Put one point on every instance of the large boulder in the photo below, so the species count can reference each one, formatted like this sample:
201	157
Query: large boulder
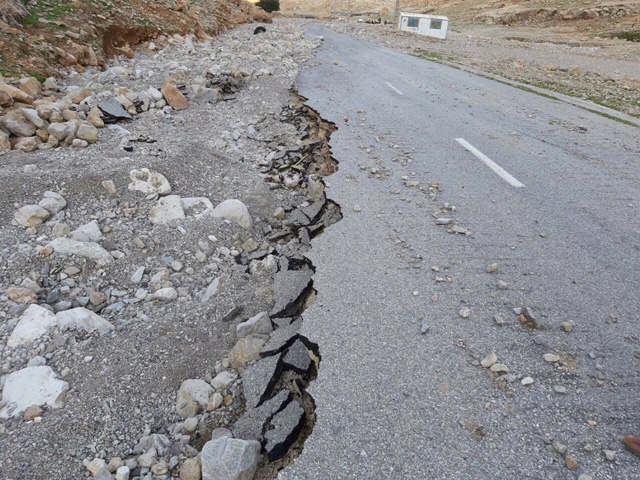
32	386
31	215
15	122
230	459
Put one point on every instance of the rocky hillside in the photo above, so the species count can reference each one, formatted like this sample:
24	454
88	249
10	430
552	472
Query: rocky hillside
621	17
42	37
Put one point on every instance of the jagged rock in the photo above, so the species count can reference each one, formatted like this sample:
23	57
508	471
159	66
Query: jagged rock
89	232
17	94
212	289
260	324
32	116
259	378
33	324
159	442
286	428
30	86
93	251
148	459
168	208
230	459
174	97
246	350
234	211
223	380
252	425
15	122
281	338
31	386
114	109
289	285
192	391
297	358
83	320
53	202
149	182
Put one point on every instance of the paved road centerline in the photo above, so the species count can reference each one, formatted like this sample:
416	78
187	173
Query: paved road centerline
394	88
506	176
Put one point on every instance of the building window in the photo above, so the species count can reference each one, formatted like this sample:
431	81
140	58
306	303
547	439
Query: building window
412	22
436	25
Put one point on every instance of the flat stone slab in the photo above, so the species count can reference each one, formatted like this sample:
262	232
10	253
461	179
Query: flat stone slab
83	320
289	286
297	358
287	425
114	109
281	338
91	250
259	378
251	425
230	459
32	386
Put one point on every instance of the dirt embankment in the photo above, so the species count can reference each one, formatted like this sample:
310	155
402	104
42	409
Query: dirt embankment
44	37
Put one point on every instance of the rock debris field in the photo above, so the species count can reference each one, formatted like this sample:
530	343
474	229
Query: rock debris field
153	226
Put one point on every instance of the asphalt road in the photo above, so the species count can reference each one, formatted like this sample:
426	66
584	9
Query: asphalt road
393	403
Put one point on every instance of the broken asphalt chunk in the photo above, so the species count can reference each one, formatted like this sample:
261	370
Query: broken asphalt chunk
259	378
297	358
290	286
281	338
286	427
252	425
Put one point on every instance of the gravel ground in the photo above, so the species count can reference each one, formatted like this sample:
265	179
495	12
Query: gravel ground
123	385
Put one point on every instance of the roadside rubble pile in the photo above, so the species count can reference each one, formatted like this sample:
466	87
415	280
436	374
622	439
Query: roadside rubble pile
157	313
36	116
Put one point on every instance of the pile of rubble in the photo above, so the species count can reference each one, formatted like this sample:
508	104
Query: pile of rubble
134	274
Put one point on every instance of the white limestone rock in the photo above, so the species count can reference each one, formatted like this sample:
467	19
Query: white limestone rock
168	208
53	202
148	182
234	211
32	386
83	320
93	251
33	324
197	206
31	215
89	232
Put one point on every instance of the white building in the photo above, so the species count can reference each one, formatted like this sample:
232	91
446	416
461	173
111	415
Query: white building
431	25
